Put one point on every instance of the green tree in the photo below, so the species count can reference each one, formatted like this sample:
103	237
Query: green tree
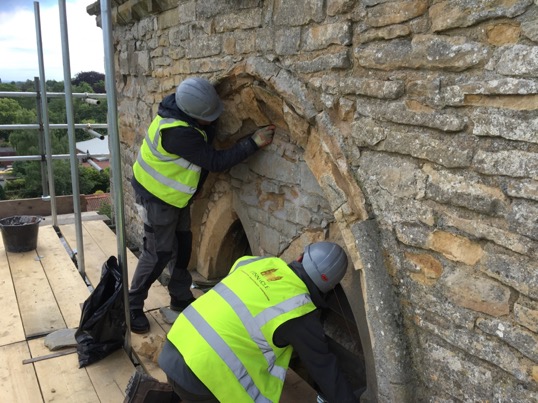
23	110
11	112
94	79
28	181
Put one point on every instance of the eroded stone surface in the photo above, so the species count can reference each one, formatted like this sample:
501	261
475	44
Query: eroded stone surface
420	116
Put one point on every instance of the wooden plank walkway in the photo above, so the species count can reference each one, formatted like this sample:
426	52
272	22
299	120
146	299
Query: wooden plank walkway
42	291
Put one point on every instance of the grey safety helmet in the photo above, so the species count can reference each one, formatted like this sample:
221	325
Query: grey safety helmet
198	98
325	263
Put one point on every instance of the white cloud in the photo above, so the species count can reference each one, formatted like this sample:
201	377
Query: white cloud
18	43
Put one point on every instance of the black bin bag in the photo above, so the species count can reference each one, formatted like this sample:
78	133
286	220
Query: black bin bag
102	325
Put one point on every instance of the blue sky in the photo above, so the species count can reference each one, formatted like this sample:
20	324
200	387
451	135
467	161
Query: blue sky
18	43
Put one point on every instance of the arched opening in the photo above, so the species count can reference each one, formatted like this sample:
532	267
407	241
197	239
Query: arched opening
233	236
300	190
234	245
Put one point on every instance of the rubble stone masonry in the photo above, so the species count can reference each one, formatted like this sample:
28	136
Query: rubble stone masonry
406	129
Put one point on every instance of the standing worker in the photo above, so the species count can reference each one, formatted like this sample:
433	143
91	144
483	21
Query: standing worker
234	343
174	160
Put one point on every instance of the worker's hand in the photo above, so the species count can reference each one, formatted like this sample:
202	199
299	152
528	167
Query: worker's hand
264	136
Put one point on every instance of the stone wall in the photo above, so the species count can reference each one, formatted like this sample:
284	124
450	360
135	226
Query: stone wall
406	130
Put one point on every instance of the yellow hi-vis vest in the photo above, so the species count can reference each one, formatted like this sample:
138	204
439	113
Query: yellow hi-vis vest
226	335
167	176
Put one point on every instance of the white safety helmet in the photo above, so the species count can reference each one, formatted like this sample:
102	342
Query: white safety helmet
325	263
198	98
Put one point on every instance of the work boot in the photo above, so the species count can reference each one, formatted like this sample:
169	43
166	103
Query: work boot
143	388
139	322
179	305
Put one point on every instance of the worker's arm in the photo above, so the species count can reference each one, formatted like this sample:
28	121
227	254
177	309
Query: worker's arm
305	334
189	144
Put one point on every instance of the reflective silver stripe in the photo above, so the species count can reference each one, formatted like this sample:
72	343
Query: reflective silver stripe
253	328
163	179
153	147
162	122
247	261
225	352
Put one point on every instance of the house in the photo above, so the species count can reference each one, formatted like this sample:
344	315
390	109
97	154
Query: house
97	150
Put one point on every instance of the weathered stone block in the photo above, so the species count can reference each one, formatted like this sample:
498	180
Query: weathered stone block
425	269
514	163
481	346
515	60
514	270
238	20
451	53
168	19
447	369
503	34
211	8
489	229
520	126
390	32
478	293
447	188
526	317
204	46
334	84
265	38
530	30
245	42
398	112
459	94
523	218
455	247
187	11
456	369
177	35
447	151
367	132
326	62
270	239
298	12
265	161
287	40
322	36
335	7
521	339
463	13
526	189
395	12
295	93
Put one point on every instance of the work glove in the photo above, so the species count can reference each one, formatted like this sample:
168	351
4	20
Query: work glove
264	136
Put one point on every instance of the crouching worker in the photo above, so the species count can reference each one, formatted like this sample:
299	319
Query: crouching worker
234	343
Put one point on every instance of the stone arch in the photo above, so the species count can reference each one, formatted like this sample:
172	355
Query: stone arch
256	93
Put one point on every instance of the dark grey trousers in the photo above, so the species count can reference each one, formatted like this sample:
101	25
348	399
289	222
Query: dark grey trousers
167	235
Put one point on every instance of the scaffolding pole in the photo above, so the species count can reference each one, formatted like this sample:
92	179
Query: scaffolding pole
71	135
85	95
33	126
45	117
54	157
41	140
113	136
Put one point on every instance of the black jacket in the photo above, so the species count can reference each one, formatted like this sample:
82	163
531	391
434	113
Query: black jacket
190	145
307	337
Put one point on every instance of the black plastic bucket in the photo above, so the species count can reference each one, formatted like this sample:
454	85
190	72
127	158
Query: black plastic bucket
19	233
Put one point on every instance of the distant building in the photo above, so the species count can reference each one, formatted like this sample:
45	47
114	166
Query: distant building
95	147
